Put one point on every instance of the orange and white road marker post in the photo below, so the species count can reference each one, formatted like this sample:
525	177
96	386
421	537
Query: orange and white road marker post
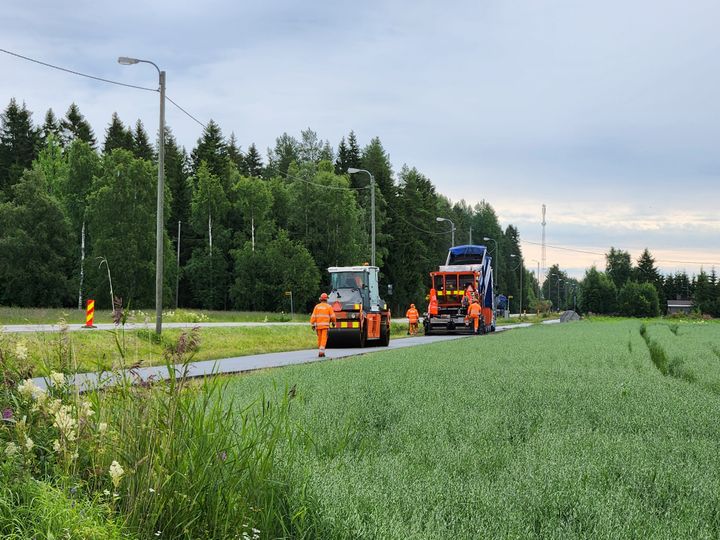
90	314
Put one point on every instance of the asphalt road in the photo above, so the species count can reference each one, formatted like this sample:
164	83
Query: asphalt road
239	364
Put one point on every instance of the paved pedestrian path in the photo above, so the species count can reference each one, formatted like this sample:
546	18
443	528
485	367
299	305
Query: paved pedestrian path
240	364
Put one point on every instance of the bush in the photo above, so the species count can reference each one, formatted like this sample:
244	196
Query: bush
638	300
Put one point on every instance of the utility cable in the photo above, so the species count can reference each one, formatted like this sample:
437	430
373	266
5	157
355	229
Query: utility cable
604	254
78	73
101	79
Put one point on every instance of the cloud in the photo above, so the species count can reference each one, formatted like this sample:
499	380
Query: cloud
605	111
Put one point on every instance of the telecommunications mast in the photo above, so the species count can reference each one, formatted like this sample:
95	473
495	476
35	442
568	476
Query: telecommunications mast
543	254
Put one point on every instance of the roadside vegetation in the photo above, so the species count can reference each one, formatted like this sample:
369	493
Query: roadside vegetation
16	315
603	428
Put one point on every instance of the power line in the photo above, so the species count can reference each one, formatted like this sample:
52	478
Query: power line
575	250
337	188
78	73
187	113
101	79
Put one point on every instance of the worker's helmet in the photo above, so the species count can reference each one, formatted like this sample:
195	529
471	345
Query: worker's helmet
324	296
412	306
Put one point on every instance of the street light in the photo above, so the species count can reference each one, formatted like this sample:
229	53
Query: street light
549	285
521	276
537	277
125	61
452	229
559	281
497	261
353	170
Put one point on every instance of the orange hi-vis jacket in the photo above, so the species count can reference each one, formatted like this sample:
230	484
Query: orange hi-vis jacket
412	315
322	316
474	310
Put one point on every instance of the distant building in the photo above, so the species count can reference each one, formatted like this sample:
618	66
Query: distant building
679	306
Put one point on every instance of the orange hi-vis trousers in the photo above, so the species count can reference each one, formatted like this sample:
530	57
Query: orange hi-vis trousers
476	323
322	334
413	328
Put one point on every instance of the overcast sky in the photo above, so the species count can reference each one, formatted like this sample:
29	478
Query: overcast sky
607	112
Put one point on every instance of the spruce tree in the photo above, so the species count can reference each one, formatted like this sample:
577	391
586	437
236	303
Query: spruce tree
51	126
341	163
141	143
19	142
117	136
354	158
235	154
212	149
75	126
286	151
253	162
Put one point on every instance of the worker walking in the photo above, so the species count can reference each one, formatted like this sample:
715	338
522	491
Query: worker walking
474	314
322	317
412	316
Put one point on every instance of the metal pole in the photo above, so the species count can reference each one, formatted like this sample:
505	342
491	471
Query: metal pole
372	211
452	234
558	293
292	308
522	271
160	205
82	263
470	241
177	273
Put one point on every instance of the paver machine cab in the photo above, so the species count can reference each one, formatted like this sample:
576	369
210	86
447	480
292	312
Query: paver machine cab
467	273
363	318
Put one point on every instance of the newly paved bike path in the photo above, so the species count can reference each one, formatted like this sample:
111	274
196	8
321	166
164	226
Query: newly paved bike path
239	364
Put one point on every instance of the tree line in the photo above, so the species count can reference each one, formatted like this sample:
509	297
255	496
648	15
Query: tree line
77	215
638	290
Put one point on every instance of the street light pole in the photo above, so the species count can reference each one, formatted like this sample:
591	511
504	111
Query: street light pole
353	170
558	292
537	277
522	271
160	222
452	229
497	261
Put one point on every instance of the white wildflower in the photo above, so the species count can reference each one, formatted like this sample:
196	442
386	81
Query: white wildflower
102	427
58	379
106	492
151	490
65	422
29	389
86	409
56	445
116	473
29	444
11	449
21	351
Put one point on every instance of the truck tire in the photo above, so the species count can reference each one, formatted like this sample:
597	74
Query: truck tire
362	337
384	335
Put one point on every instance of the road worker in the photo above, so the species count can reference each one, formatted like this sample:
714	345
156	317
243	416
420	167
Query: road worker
474	315
412	317
323	316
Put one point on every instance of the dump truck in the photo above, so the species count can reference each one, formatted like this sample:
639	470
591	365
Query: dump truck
363	318
467	273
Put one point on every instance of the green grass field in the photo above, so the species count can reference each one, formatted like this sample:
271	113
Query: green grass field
564	431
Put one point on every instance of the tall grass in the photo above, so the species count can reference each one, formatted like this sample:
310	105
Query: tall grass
160	459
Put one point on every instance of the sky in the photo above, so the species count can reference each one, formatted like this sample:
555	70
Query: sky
606	112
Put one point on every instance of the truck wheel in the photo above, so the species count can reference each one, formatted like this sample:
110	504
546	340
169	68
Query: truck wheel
362	337
426	327
384	335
